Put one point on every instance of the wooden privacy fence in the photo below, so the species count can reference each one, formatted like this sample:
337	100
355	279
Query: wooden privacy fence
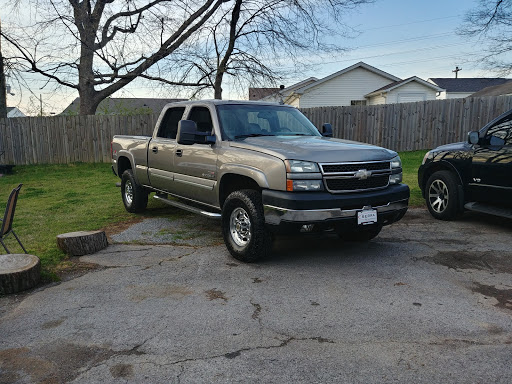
411	126
401	127
66	139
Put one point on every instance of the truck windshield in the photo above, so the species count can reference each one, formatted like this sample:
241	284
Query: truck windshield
239	121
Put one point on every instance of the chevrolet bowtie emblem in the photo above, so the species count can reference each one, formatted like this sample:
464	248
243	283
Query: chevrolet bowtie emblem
363	174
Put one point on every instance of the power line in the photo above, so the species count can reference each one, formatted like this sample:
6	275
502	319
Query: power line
417	38
412	22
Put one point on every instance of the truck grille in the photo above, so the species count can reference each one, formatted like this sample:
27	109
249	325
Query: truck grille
351	177
349	185
339	168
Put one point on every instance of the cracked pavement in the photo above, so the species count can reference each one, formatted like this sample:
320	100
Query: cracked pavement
425	302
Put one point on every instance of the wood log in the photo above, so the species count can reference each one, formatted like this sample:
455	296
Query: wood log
18	272
82	242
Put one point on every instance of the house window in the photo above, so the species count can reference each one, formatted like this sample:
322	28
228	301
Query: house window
357	102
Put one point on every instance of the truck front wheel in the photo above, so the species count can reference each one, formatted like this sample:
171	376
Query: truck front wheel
441	195
243	226
135	197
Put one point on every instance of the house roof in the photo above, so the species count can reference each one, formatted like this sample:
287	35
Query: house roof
400	83
285	92
495	90
121	106
260	93
345	70
300	84
466	84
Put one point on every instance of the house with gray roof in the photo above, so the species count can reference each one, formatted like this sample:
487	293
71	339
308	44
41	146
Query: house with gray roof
123	106
359	84
464	87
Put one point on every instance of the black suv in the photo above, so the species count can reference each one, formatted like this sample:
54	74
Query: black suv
476	175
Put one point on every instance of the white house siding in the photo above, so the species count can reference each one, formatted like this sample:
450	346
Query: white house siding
410	92
375	100
453	95
339	91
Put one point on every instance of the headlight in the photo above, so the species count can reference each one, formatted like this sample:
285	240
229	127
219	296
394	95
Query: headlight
396	162
301	166
396	171
303	176
427	156
395	178
306	185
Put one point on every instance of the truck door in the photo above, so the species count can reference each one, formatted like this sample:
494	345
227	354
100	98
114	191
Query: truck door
492	165
161	150
195	166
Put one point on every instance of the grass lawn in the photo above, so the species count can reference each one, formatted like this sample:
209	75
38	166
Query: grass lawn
57	199
411	161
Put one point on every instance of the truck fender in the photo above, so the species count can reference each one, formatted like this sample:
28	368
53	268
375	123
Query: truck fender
245	170
129	156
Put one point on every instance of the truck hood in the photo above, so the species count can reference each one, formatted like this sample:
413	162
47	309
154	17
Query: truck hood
462	146
314	148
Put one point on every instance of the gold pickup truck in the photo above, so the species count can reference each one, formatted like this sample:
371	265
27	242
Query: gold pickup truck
260	168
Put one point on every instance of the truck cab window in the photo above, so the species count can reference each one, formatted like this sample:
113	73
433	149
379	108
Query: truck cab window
169	126
201	116
500	134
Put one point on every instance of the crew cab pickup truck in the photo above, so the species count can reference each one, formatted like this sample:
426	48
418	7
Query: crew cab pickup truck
260	168
475	175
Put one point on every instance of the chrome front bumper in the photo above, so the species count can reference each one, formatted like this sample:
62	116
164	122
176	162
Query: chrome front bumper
276	215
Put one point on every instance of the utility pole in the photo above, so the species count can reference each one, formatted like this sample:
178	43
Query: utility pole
3	92
456	71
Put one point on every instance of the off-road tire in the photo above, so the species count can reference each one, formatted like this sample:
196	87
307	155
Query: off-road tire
135	197
442	196
362	234
243	226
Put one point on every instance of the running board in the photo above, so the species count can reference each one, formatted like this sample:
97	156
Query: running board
489	209
199	211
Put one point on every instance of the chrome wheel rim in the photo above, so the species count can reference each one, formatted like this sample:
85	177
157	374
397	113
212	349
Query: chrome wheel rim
128	192
240	227
438	196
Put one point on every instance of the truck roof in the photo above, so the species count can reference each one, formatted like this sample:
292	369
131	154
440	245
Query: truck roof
226	102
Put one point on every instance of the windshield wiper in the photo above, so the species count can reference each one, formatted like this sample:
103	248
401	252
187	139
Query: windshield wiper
252	135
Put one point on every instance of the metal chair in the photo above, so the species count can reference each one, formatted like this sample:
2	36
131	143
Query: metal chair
6	223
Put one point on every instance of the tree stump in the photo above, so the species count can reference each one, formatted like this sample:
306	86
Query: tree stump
82	242
18	272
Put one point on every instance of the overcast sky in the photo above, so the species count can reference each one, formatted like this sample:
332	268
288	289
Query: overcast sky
402	37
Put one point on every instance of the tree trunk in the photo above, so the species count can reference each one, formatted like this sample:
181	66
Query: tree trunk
18	272
218	84
82	242
3	93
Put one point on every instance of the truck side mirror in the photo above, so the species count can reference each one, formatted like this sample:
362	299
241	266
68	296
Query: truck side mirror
473	137
326	130
188	134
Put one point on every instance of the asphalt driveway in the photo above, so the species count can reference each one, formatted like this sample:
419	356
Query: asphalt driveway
425	302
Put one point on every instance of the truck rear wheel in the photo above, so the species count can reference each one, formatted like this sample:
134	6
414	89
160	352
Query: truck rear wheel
135	197
243	226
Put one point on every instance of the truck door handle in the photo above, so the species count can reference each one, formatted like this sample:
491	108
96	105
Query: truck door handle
155	149
179	152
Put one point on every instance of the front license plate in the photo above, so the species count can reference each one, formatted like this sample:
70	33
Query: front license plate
368	216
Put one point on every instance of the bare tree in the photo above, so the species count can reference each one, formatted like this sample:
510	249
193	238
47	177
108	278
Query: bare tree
491	23
99	47
260	41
